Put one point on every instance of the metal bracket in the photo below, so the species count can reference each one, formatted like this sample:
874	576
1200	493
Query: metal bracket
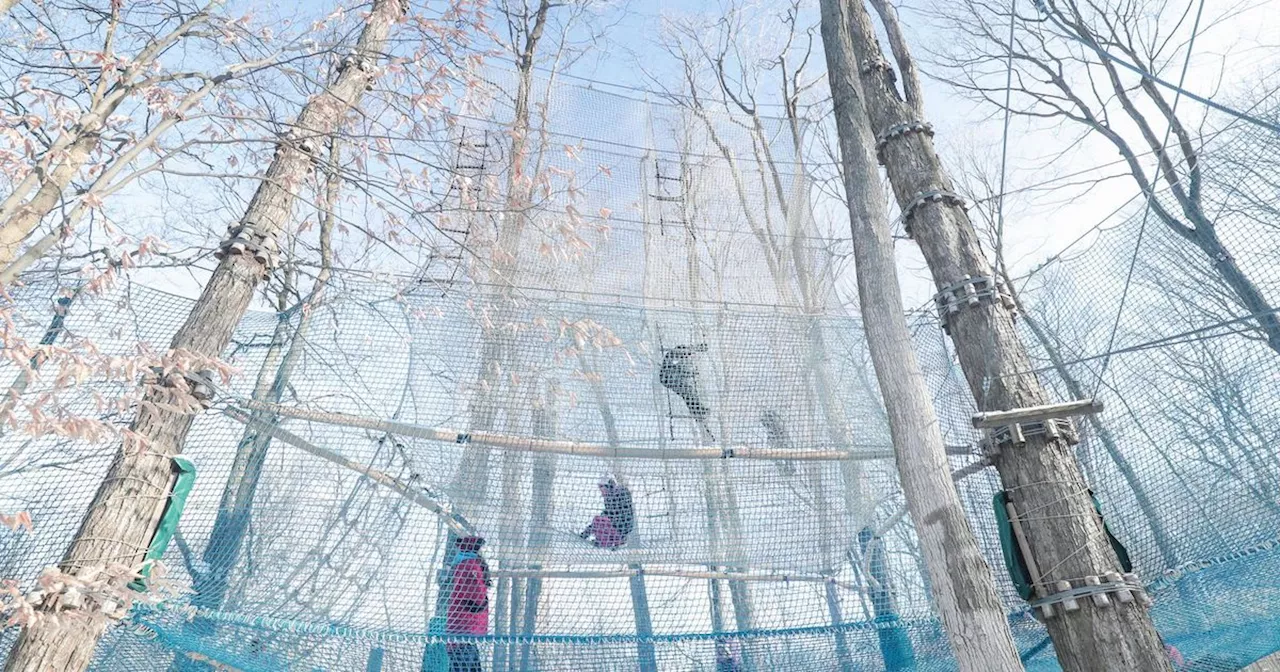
304	144
198	385
879	64
363	65
900	131
925	197
970	293
1016	434
247	239
1126	588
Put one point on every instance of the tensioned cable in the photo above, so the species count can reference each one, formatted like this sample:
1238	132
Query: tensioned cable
1004	137
1190	336
1151	196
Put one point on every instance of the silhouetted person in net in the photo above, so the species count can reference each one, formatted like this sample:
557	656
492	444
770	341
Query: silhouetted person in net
679	375
468	604
618	520
726	660
776	433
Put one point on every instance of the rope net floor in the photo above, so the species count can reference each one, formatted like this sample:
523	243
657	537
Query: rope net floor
691	349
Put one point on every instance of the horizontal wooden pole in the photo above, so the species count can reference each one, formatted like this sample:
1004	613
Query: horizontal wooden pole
1066	409
508	442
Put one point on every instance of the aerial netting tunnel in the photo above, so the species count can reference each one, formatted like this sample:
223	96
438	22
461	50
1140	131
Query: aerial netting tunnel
659	307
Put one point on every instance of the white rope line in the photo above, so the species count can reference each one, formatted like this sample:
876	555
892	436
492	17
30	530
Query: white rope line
414	494
578	448
682	574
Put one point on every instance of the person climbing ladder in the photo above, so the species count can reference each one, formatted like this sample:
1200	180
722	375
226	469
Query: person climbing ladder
612	526
679	374
468	604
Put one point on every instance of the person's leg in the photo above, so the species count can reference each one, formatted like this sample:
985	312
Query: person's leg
607	536
473	659
601	527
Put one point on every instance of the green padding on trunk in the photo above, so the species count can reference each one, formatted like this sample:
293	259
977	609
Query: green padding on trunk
186	477
1016	564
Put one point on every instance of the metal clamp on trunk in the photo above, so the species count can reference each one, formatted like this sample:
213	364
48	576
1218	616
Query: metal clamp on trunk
197	384
924	198
970	292
900	131
247	239
1014	426
362	64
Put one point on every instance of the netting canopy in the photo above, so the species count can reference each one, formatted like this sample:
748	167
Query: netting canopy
658	317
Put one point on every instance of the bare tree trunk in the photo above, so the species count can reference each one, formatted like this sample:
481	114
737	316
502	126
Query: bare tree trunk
1065	536
122	517
543	477
235	506
963	588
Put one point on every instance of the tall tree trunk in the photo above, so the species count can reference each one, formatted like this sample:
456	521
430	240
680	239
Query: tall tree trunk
122	516
895	645
1064	536
963	588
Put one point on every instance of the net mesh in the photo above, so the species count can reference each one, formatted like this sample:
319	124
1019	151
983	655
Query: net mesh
317	535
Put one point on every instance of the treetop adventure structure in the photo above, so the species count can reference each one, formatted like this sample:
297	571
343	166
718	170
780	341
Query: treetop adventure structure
646	292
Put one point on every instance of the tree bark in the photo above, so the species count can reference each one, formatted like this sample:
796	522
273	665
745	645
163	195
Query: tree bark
963	588
121	519
1064	535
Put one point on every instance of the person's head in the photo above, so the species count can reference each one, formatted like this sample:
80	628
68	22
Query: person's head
470	543
606	484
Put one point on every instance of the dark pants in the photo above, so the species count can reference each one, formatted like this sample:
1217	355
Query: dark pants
464	658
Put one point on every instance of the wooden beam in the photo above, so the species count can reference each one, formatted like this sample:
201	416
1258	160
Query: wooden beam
1066	409
579	448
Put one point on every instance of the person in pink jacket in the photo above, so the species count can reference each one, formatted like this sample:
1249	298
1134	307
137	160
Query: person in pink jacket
468	604
618	520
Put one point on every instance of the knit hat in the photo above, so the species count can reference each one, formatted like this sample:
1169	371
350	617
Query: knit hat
470	543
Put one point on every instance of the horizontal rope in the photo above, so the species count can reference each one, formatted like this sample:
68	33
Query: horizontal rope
673	573
274	624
